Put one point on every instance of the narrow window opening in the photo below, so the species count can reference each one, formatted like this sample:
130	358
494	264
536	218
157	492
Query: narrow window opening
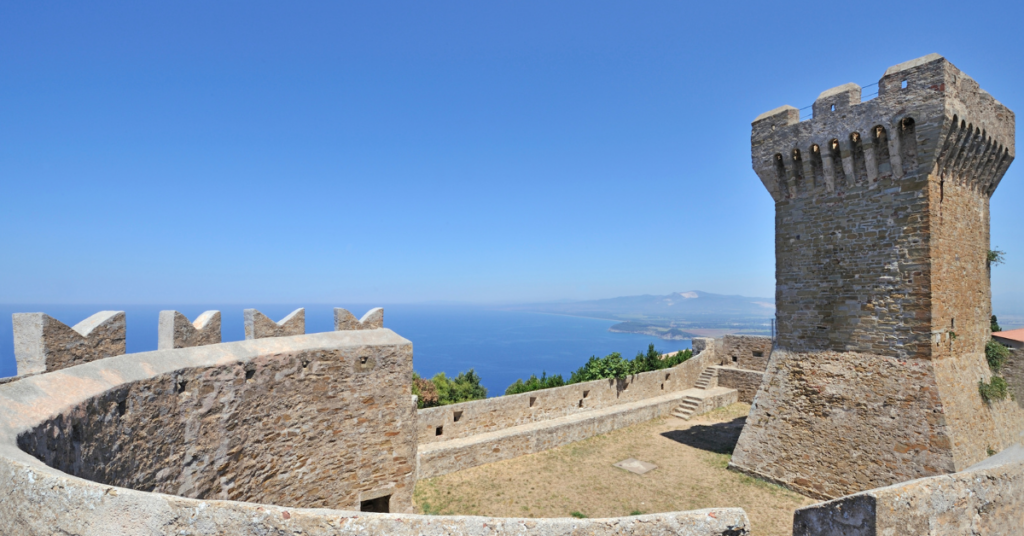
662	387
908	145
780	173
586	394
735	359
833	107
798	170
839	173
758	353
380	505
860	167
903	84
439	430
667	376
533	400
181	386
456	416
581	402
952	323
881	148
122	407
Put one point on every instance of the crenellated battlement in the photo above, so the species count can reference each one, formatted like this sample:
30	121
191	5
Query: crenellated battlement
928	117
45	344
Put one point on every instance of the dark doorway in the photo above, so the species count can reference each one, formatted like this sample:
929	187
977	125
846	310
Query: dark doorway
379	505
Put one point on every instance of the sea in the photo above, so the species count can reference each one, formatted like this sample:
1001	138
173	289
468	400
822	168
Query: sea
500	346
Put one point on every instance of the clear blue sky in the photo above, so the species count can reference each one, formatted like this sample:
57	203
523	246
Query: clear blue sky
407	151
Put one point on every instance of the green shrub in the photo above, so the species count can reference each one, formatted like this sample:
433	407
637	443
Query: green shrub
995	390
577	515
996	354
442	390
535	383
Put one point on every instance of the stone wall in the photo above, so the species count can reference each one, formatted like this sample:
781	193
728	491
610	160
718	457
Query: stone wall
321	420
317	421
443	457
882	289
1013	372
488	415
746	382
747	351
987	498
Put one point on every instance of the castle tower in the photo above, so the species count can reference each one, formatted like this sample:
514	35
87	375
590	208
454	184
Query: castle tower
882	284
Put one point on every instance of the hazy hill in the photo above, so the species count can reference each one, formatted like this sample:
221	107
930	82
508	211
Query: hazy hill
671	316
678	305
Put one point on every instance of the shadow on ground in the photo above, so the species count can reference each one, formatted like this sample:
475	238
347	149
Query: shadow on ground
719	437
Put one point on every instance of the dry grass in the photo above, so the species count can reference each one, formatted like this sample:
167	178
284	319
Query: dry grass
578	479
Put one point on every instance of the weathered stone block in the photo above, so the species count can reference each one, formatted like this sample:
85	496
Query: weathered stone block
43	343
344	320
258	326
175	331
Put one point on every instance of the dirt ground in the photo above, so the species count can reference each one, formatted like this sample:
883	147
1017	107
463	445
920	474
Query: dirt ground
578	479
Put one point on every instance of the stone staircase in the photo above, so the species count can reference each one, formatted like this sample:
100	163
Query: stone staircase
690	403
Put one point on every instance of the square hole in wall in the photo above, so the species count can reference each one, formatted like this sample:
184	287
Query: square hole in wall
533	400
456	416
735	359
903	84
667	376
662	387
439	430
380	505
581	402
758	353
586	394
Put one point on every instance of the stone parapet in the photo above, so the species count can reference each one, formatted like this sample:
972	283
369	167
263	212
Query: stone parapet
321	420
480	416
987	498
344	320
747	352
436	459
175	331
258	326
745	382
43	343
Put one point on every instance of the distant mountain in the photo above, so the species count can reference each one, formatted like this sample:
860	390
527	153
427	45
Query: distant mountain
678	305
674	316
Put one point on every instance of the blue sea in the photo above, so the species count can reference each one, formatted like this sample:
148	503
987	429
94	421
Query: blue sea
500	345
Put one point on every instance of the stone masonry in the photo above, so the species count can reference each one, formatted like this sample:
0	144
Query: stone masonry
344	320
43	343
882	284
258	326
175	331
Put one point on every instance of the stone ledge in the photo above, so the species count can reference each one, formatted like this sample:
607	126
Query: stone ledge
436	459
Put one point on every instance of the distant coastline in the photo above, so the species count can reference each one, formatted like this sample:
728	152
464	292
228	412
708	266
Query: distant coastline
662	332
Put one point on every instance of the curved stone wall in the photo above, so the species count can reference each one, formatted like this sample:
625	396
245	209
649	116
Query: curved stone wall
166	442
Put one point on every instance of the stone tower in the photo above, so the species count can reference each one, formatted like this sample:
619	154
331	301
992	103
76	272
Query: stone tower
882	284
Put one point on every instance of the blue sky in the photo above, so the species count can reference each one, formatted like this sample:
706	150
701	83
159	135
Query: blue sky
410	151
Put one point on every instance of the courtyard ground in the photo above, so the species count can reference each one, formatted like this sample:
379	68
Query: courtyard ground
579	479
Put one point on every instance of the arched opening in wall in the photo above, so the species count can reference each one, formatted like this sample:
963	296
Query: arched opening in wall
860	168
817	167
798	170
837	164
780	174
908	145
880	141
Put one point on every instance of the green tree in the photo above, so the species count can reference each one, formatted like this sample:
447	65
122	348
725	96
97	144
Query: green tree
995	324
535	383
462	388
